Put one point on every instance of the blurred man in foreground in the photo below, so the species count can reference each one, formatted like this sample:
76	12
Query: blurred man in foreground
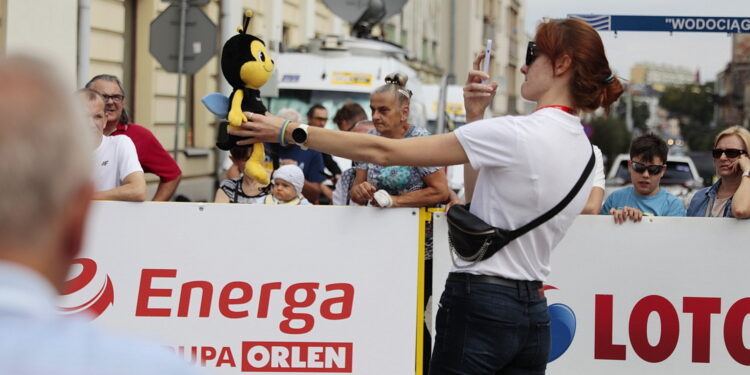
45	148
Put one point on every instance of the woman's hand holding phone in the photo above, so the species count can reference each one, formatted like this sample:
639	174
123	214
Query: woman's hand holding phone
477	94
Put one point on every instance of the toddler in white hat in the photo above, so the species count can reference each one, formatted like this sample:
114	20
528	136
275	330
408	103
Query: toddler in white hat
287	181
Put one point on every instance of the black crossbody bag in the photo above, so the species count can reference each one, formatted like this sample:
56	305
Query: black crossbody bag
473	240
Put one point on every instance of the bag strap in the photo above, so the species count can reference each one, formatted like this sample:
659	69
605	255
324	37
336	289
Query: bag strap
559	207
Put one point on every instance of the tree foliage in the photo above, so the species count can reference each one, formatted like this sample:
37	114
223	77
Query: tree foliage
611	135
693	105
640	112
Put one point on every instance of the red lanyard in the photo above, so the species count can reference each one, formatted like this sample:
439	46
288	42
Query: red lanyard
560	107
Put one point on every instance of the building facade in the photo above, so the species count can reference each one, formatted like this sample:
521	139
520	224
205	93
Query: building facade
658	76
647	82
89	37
733	86
423	28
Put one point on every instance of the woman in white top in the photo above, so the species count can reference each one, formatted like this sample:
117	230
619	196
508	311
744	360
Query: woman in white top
493	316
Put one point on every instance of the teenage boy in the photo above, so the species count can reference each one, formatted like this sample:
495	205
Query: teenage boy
648	161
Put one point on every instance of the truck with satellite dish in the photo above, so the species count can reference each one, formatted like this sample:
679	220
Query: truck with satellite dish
333	69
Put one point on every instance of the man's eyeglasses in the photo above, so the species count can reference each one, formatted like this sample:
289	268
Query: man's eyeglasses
640	168
530	53
115	98
320	118
729	152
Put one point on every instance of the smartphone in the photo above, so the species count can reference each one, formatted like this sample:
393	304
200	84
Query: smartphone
487	54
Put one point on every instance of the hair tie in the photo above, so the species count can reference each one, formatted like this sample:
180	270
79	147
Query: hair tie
405	93
609	79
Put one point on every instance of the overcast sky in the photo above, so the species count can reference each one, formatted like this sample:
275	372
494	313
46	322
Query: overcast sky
709	52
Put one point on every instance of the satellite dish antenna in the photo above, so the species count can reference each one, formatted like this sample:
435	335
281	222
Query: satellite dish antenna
364	14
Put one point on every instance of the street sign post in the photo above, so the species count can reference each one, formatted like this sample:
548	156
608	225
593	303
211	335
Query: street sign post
182	40
199	44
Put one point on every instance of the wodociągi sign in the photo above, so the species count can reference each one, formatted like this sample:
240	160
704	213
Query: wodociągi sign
604	22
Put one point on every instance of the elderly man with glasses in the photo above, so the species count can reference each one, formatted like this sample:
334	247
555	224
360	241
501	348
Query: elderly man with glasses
151	154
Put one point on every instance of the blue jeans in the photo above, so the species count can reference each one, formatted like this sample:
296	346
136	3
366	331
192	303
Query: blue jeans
491	329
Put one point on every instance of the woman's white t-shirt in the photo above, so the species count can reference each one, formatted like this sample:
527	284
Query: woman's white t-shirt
598	171
527	164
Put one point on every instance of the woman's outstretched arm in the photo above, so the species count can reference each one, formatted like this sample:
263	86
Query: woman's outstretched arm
443	149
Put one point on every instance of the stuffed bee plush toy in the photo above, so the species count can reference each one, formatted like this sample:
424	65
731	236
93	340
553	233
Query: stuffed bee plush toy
247	66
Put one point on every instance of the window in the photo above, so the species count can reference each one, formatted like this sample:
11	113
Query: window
510	89
512	22
434	53
286	38
390	33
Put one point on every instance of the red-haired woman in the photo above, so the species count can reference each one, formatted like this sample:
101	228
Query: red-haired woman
493	317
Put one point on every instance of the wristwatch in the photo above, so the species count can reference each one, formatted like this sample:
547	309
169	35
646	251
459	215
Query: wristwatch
299	136
746	174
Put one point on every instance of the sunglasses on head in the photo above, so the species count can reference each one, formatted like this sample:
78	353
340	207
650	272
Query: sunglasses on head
652	169
530	53
730	152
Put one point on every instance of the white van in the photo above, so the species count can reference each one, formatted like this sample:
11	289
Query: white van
336	70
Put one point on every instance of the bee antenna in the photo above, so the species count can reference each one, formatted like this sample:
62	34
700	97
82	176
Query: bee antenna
246	21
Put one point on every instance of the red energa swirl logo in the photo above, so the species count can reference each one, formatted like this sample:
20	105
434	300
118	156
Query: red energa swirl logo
77	287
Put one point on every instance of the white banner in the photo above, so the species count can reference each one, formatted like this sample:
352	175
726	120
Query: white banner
252	288
664	296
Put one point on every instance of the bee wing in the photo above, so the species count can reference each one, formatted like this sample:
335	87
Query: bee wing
217	104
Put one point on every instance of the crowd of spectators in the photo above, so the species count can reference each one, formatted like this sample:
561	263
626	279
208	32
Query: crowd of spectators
124	151
728	197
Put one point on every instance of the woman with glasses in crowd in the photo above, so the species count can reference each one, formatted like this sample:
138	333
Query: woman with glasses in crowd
730	196
493	316
398	185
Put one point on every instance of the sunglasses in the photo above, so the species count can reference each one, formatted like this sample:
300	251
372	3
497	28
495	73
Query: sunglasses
729	152
530	53
652	169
